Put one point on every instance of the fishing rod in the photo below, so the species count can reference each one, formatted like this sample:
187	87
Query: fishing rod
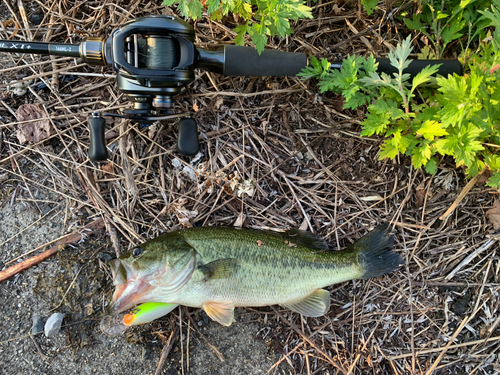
154	57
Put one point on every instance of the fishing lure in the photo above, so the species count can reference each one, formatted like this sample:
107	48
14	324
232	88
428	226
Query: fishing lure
112	325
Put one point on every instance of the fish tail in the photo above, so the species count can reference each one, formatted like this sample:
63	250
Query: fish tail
374	252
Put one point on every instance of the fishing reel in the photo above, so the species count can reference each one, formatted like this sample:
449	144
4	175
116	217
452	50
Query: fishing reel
154	57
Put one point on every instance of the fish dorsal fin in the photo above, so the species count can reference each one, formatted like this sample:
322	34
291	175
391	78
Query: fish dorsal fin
221	312
305	238
219	269
315	304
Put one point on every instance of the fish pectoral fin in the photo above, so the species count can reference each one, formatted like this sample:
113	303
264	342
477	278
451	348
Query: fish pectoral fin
222	312
219	269
315	304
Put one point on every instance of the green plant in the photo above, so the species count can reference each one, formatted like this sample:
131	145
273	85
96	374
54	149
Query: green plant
263	18
443	21
369	5
460	118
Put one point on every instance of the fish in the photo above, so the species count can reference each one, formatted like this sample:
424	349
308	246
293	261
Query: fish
220	268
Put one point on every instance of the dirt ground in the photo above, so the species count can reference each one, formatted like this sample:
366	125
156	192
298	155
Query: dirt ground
274	154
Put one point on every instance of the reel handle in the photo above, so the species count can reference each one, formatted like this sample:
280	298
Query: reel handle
97	148
187	140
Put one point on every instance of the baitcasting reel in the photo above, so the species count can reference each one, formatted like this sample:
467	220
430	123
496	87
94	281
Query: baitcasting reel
155	57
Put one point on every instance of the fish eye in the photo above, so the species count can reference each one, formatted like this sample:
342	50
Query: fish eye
137	251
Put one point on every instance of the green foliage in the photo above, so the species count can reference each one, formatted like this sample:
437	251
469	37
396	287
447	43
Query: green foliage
369	5
443	22
461	118
263	18
344	80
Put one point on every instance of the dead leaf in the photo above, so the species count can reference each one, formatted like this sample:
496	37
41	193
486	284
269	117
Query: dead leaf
108	169
195	107
89	309
239	221
304	225
484	177
420	194
110	135
259	243
183	214
247	187
493	214
218	103
7	23
37	128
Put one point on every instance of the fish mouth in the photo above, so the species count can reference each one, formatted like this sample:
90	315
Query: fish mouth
128	295
128	288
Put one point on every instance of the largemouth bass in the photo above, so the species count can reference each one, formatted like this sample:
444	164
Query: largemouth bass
220	268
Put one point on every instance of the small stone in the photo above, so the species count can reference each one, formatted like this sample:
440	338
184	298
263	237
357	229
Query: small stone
53	325
37	325
37	18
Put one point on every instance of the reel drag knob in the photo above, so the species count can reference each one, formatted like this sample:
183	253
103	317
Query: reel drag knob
187	141
97	147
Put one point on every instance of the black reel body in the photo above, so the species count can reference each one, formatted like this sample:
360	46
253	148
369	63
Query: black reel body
153	56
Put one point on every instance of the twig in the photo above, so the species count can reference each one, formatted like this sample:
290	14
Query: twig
70	238
165	352
451	347
248	95
471	256
462	194
438	359
285	356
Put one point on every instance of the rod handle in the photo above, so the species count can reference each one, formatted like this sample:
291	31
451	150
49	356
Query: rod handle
447	67
246	62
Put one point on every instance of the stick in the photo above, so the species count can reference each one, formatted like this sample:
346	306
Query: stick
440	356
451	347
471	256
165	352
195	328
72	237
462	195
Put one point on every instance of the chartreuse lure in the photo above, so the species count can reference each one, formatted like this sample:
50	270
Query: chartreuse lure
113	325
